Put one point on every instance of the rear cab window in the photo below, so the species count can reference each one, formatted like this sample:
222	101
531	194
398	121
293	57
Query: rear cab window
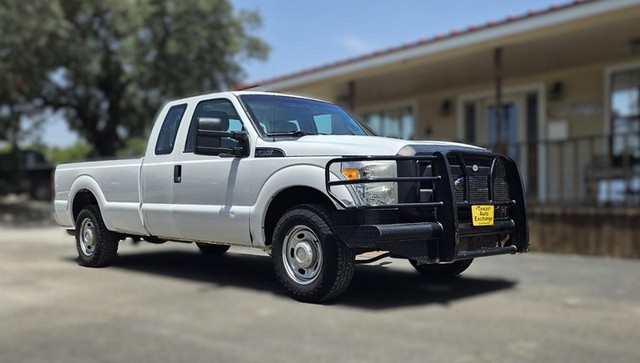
169	130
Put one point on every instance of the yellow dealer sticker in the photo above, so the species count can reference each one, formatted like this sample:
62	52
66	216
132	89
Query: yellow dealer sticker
482	215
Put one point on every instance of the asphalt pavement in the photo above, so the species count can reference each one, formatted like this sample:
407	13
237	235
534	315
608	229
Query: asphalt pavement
167	303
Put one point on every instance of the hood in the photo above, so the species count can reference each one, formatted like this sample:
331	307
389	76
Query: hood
350	145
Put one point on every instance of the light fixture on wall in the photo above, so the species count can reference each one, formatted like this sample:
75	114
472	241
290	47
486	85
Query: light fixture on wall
556	91
445	108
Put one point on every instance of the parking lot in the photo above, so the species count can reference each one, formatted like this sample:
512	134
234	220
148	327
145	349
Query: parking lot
167	303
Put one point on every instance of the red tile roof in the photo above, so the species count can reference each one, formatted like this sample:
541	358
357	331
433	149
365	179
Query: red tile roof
436	38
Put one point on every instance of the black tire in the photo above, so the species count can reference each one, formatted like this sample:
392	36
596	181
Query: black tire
442	272
208	249
331	265
98	248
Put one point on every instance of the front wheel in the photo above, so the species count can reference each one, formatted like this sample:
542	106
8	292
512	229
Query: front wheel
443	271
310	262
97	246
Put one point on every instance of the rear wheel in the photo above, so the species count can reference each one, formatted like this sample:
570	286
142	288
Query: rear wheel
310	262
443	271
97	246
211	249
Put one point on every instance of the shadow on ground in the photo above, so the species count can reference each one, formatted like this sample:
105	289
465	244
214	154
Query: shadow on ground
373	286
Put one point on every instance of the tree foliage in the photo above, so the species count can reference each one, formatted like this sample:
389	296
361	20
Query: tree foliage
76	152
27	31
110	64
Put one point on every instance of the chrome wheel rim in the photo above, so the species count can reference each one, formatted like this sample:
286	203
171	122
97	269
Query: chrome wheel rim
302	254
87	237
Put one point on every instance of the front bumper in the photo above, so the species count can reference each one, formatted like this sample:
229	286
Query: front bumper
438	228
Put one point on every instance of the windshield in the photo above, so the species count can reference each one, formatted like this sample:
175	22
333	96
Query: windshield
291	116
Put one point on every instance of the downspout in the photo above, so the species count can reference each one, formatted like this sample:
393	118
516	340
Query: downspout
497	63
352	95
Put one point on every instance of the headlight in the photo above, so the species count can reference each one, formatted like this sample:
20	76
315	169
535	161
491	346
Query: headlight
372	193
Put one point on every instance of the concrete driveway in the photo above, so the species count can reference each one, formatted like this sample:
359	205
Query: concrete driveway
167	303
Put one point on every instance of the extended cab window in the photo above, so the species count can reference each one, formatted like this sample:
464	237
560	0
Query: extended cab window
169	130
218	108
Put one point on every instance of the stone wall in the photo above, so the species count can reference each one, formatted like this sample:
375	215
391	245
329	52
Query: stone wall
587	231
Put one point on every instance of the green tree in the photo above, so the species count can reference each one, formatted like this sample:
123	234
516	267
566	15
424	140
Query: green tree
78	151
108	65
24	62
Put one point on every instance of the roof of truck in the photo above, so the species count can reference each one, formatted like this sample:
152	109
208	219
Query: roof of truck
207	96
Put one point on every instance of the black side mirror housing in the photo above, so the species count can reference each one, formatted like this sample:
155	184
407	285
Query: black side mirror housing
209	136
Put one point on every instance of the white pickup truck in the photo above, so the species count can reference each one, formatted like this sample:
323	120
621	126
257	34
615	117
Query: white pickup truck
301	179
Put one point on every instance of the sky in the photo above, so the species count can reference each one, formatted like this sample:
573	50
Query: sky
304	34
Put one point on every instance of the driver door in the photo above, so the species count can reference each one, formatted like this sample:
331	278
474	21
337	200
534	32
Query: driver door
212	195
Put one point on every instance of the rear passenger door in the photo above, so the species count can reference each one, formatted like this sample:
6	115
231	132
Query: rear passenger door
157	174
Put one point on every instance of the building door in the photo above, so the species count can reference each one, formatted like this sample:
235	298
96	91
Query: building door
505	136
515	135
502	135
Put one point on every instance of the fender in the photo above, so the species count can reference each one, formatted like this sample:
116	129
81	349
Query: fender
118	216
86	182
297	175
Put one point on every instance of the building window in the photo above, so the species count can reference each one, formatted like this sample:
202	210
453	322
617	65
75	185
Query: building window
625	113
396	122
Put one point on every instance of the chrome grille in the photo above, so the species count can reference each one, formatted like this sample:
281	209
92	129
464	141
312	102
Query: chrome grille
478	169
500	185
478	188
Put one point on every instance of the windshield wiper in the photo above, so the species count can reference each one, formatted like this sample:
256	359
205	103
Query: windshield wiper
289	133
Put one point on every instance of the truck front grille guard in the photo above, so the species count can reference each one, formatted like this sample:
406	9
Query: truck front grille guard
444	201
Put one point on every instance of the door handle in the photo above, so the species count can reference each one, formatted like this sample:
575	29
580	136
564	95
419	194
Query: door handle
177	173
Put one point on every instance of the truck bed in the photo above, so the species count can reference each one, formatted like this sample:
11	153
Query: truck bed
119	196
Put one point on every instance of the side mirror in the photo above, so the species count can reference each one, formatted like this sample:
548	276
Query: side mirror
211	140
